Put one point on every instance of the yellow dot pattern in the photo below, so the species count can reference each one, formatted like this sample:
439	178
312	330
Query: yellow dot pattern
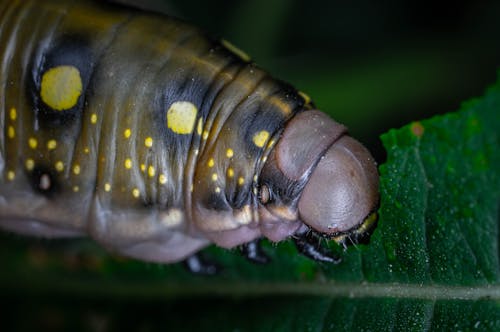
52	144
61	87
211	162
260	138
32	142
151	171
11	175
11	132
128	163
181	117
199	128
13	114
30	164
59	166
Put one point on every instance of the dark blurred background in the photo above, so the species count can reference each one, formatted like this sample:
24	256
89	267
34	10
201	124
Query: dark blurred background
371	65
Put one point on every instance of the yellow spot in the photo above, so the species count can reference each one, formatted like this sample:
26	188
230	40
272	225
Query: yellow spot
241	181
211	162
59	166
13	114
11	132
214	177
136	192
241	54
191	188
61	87
127	133
52	144
32	142
181	117
264	159
148	142
93	118
128	163
30	164
304	96
229	153
260	138
76	169
199	128
151	171
230	172
255	178
217	190
143	167
11	175
76	189
86	150
107	187
205	134
271	143
162	179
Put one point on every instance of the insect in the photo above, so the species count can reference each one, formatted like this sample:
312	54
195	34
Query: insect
155	140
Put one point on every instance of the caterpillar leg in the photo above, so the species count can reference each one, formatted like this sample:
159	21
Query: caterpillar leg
308	245
169	249
254	253
197	264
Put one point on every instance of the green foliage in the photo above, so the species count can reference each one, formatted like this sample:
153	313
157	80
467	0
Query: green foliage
432	264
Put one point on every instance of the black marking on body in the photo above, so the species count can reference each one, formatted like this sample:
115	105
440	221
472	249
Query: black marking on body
72	50
216	201
241	197
269	117
44	181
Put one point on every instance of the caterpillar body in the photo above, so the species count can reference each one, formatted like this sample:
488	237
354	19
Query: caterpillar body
155	140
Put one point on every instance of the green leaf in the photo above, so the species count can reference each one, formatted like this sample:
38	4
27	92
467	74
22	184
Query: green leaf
432	264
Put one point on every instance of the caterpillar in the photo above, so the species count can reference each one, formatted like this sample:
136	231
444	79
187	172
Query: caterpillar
156	140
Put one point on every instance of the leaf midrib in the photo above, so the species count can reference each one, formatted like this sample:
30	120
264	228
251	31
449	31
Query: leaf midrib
169	289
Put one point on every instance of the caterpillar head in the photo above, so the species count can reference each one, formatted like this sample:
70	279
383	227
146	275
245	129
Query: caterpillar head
321	178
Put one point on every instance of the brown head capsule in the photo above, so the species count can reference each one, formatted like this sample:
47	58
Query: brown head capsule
319	175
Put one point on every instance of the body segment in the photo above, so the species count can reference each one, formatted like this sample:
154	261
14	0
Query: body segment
141	132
